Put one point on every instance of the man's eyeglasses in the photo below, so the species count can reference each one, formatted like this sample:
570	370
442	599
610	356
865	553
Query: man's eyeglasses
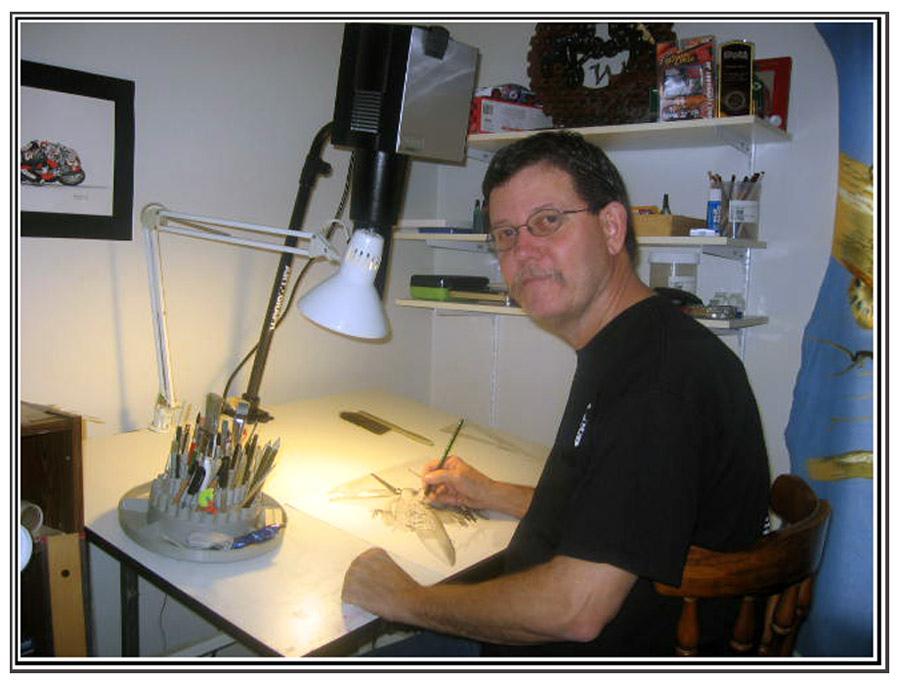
542	223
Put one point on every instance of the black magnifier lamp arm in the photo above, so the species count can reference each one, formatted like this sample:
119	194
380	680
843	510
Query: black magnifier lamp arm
313	167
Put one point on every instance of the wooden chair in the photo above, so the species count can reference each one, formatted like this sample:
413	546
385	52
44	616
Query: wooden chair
779	568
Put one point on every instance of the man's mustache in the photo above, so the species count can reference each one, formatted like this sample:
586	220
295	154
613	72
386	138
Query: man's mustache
528	273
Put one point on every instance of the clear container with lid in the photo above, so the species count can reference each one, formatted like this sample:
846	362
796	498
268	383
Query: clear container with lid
675	270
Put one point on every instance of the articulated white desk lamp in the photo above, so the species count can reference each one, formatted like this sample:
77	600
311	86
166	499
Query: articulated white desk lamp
208	505
403	91
347	302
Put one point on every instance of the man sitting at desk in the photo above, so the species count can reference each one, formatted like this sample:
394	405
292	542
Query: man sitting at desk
660	446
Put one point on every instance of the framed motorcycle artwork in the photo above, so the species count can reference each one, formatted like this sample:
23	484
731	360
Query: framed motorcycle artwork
76	153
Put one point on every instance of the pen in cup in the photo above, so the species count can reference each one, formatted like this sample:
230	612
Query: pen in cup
447	449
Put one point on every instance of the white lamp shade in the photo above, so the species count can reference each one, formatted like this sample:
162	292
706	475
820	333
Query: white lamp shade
348	302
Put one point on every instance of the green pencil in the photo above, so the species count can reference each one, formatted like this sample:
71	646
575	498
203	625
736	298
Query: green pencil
447	449
450	443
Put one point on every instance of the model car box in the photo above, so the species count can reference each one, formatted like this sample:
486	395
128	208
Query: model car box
686	79
491	115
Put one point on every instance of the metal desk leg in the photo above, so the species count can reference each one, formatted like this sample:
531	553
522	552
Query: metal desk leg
128	591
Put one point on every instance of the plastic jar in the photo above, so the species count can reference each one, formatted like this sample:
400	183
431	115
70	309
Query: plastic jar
674	270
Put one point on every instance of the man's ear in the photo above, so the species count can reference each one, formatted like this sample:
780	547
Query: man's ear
614	222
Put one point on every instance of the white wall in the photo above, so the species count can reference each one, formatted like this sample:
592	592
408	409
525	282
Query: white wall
526	386
225	114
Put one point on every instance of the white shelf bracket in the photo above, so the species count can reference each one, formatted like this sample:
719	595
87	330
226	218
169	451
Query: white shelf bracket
730	253
437	243
739	142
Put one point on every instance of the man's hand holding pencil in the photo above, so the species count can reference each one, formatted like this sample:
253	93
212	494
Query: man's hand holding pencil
451	481
457	484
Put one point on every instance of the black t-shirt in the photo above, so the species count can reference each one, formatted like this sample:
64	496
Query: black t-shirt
660	447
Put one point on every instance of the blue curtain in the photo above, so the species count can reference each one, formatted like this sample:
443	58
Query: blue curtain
830	432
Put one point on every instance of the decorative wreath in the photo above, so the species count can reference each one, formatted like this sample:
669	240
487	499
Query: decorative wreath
571	74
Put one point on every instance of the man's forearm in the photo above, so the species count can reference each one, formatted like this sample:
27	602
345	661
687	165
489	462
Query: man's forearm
511	499
556	601
494	611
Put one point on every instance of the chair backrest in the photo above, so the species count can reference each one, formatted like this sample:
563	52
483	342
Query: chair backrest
778	568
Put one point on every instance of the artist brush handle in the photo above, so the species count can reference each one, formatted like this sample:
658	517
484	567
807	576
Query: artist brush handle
263	470
247	467
196	479
182	489
173	452
262	467
222	474
185	444
250	453
254	490
240	417
267	464
213	412
236	462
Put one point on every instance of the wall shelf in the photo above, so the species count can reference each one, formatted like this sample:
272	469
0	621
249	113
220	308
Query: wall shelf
725	247
460	241
741	132
467	239
735	323
464	307
438	237
718	242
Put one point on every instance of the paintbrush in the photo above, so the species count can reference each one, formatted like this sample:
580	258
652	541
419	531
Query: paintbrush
213	413
252	448
263	470
266	461
171	462
240	417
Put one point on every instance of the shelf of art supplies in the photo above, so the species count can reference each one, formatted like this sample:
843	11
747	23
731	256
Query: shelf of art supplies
741	132
408	229
719	246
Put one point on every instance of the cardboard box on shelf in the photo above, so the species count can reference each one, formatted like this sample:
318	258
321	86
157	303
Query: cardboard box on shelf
490	115
665	225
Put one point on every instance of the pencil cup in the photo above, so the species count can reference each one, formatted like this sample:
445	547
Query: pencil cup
743	211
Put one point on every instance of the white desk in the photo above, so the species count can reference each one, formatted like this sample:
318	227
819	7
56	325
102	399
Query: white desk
287	602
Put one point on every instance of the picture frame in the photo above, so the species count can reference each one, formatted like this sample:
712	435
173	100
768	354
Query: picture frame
76	153
774	75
